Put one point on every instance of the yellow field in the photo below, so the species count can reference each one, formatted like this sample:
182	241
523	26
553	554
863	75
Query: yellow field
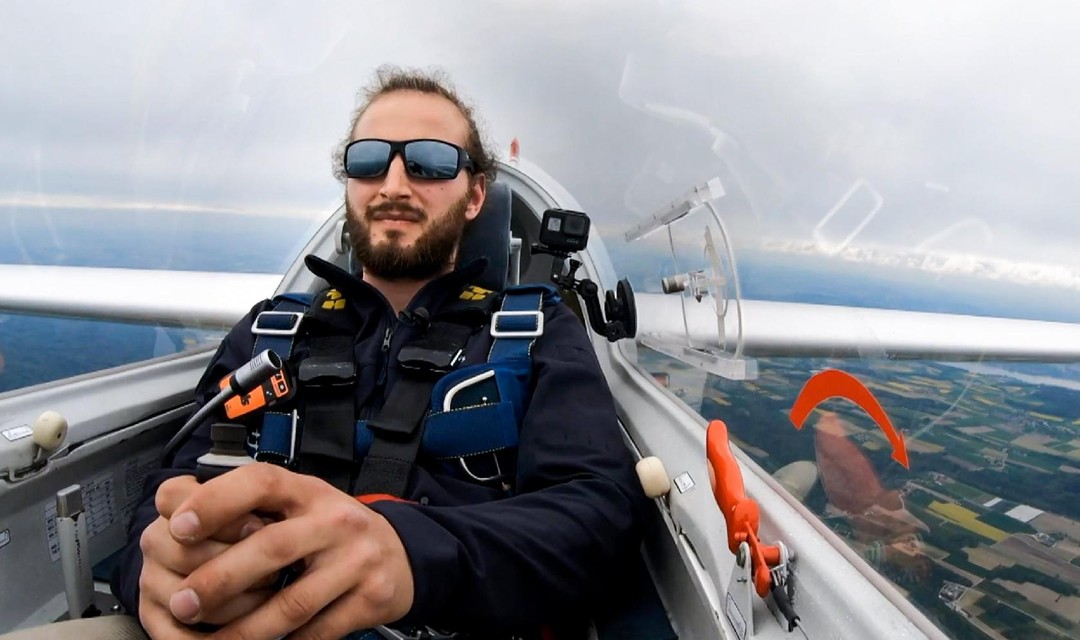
918	446
717	397
1045	416
966	519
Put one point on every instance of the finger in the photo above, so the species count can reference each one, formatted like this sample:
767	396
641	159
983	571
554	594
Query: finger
335	621
173	492
239	529
245	490
157	583
235	531
247	564
297	604
179	558
157	543
241	605
161	625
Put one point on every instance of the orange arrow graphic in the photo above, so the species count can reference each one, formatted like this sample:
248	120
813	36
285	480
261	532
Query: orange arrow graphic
832	383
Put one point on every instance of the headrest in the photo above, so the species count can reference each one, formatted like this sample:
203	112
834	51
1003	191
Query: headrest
489	236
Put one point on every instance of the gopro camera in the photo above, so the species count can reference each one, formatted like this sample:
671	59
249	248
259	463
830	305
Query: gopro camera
564	230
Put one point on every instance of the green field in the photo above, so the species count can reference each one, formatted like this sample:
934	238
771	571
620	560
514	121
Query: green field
968	493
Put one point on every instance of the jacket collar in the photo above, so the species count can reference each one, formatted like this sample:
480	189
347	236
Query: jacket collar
432	296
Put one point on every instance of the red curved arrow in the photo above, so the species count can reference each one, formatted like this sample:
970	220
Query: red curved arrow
832	383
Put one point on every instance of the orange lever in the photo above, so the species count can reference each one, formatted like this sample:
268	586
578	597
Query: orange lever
741	513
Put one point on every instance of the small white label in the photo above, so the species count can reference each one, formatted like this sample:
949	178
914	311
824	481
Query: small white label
5	538
17	433
735	617
684	482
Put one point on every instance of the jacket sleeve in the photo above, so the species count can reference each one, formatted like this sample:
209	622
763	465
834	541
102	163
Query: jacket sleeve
546	552
233	352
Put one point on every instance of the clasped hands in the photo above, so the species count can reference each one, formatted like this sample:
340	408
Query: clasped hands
209	558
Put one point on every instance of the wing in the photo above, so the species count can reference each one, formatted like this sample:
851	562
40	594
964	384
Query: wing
171	298
768	328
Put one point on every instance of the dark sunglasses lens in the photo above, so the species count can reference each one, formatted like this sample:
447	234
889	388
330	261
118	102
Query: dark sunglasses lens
367	159
431	159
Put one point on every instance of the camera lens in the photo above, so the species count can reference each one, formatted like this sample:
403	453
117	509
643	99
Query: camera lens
575	226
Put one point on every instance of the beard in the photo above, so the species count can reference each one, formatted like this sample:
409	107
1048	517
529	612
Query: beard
431	254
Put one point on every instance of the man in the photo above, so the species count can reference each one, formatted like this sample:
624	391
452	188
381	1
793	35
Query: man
457	553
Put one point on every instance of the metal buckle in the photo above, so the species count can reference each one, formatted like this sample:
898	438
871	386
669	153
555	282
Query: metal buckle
291	331
326	372
498	333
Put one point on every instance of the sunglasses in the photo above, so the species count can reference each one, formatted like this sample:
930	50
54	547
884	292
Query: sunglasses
424	159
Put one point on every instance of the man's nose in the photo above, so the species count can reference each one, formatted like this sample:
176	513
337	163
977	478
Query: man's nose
396	184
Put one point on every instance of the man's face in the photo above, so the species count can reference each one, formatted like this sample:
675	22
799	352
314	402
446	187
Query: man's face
403	227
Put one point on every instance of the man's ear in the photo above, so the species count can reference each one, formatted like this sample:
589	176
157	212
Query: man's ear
477	195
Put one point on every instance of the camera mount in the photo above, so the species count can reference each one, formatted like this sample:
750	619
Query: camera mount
563	231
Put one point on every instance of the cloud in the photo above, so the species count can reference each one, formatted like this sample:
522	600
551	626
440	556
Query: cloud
98	203
952	114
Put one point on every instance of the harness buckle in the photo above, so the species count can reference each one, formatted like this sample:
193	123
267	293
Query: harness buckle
326	372
277	323
519	326
419	358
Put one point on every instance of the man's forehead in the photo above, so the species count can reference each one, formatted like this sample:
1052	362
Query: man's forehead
405	115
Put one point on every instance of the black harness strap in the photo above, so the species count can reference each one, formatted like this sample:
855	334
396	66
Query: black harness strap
328	379
398	426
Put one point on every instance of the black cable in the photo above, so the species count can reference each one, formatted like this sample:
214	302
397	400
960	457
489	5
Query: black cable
185	431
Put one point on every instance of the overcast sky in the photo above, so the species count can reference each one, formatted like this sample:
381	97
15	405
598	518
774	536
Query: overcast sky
956	122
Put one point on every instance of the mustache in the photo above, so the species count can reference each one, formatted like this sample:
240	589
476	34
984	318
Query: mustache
395	211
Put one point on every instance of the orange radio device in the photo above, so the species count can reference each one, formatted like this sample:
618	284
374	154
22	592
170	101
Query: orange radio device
278	388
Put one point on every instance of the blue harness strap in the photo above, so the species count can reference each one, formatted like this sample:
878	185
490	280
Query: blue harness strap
519	322
276	328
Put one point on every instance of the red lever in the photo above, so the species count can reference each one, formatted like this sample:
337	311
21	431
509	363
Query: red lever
741	513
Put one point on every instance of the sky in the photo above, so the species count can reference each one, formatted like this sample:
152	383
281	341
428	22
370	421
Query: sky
857	129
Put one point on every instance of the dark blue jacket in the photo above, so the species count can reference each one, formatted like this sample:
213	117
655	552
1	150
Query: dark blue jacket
481	559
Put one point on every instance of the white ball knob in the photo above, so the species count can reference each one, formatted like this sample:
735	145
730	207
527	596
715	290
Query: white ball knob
50	430
653	476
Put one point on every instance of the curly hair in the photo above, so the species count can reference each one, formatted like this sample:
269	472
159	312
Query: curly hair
388	79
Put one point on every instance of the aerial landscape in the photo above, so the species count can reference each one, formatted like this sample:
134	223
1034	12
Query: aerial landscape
983	531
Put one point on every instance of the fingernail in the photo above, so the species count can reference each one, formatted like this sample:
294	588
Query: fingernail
250	528
184	605
185	525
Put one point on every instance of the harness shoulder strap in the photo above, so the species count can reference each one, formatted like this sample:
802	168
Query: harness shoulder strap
519	322
326	376
276	327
